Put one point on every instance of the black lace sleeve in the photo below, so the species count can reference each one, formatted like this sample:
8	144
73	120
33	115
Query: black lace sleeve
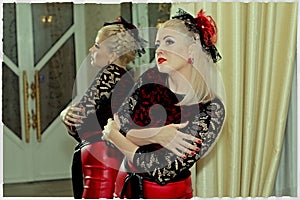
162	165
96	101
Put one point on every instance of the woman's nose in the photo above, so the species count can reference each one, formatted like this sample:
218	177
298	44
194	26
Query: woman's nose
158	50
91	49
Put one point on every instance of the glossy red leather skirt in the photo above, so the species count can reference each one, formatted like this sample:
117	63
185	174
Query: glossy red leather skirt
100	166
174	190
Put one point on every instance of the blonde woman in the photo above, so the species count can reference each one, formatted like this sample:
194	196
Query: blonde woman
116	45
174	114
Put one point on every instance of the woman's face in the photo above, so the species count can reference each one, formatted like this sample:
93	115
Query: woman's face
100	55
172	50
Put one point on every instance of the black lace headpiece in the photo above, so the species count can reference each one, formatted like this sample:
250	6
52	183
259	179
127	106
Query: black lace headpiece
133	31
205	27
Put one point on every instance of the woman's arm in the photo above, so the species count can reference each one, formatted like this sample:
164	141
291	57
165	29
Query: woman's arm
163	165
111	133
167	136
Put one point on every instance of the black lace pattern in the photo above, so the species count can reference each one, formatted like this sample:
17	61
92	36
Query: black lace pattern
103	98
205	122
191	24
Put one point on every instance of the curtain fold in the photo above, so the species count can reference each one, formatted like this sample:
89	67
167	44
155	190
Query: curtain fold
286	181
258	43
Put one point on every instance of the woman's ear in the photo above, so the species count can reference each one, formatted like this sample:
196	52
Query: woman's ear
191	50
113	57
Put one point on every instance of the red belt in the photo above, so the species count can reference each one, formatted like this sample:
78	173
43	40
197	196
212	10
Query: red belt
151	190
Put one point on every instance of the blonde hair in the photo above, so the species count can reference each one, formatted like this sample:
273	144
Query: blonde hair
200	91
120	41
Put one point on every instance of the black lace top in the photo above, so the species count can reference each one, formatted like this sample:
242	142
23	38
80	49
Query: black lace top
152	104
103	98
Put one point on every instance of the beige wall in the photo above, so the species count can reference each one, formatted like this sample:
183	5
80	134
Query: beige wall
95	16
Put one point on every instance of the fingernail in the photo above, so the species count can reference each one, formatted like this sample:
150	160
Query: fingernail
192	153
197	149
184	156
199	141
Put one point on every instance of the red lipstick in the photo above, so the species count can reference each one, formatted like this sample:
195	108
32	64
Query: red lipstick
161	60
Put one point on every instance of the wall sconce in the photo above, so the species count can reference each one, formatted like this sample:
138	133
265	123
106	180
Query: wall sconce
47	19
159	23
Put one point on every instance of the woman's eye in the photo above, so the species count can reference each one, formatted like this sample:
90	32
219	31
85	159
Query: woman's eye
169	42
156	46
97	46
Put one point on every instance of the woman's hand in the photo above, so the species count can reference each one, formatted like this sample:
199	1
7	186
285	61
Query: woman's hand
109	129
111	133
72	117
167	136
178	142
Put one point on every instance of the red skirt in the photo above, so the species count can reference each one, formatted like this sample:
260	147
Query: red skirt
151	190
100	166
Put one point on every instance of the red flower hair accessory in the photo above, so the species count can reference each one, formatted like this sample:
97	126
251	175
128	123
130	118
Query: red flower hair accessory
208	27
205	27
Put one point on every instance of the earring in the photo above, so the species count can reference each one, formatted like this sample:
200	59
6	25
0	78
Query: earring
190	60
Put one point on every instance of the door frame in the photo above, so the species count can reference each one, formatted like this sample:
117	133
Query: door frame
28	171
